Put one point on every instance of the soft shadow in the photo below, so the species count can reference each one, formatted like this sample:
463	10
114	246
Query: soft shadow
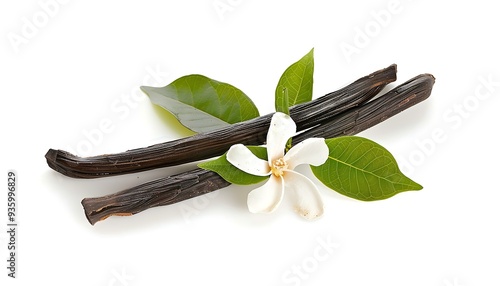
403	123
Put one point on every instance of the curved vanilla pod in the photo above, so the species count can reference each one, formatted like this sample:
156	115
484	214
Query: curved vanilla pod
210	144
186	185
375	111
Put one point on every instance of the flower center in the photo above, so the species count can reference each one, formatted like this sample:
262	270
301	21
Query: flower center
278	166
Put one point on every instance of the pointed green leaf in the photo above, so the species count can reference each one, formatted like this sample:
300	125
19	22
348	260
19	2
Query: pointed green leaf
362	169
298	82
232	174
203	104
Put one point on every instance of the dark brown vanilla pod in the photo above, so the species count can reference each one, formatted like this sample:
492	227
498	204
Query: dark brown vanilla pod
174	189
375	111
155	193
207	145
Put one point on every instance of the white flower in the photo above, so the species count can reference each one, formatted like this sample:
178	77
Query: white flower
279	168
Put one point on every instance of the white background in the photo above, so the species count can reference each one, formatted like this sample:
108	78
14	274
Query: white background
65	67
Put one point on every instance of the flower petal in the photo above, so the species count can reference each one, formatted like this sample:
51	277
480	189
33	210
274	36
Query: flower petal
266	198
281	129
242	158
312	151
307	200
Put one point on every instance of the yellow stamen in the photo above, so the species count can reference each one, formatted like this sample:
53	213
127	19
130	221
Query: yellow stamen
278	167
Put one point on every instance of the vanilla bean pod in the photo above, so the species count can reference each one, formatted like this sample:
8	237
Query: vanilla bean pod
176	188
207	145
370	114
159	192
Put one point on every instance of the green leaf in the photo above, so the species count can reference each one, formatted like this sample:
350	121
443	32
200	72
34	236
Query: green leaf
298	82
203	104
362	169
232	174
